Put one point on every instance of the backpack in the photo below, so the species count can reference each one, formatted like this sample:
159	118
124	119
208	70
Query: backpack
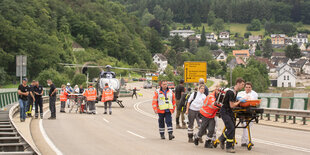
187	97
221	96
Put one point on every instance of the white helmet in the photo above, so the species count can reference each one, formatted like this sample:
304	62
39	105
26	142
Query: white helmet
68	84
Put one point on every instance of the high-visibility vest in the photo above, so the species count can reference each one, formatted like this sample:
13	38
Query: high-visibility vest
209	109
91	94
107	94
63	95
161	102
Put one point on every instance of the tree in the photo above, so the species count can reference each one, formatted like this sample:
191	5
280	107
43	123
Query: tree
203	54
218	25
159	13
254	26
187	43
146	18
57	78
166	31
267	48
168	17
292	52
156	25
79	79
202	41
196	19
211	18
247	34
177	43
3	76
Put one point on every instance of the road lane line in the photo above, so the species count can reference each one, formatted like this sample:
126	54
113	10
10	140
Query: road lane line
47	139
286	146
106	120
135	134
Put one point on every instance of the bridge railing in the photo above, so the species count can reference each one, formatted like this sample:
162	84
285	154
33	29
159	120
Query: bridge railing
290	111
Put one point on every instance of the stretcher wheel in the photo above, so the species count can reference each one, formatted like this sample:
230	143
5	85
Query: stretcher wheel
250	146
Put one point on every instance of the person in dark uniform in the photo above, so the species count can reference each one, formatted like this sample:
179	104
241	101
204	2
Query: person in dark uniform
134	92
23	92
52	95
227	115
31	99
179	91
38	91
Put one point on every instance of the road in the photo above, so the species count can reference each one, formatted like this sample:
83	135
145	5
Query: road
134	130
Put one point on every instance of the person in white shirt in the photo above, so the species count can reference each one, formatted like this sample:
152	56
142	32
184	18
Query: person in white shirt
248	94
194	104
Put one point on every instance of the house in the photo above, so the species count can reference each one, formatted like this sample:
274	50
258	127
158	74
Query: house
298	65
271	67
300	38
288	41
278	40
286	76
182	33
219	55
306	68
302	46
161	61
235	61
224	35
278	55
255	39
241	53
279	61
227	43
193	39
77	47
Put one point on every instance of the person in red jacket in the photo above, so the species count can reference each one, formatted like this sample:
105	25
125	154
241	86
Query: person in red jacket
63	98
107	98
164	105
91	95
208	112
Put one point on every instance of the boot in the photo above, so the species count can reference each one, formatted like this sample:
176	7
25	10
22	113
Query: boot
222	142
105	113
230	150
110	113
196	141
190	138
162	136
41	116
36	116
184	126
200	140
178	126
208	144
171	136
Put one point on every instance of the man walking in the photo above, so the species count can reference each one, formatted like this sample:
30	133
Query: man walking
107	98
23	92
52	96
228	115
179	91
164	105
31	99
38	91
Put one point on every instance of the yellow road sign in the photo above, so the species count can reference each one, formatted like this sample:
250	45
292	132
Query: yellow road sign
193	71
154	78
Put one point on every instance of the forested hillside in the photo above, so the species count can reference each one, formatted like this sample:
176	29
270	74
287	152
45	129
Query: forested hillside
238	11
44	30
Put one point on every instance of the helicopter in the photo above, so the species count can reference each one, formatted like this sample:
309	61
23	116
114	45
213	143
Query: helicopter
107	76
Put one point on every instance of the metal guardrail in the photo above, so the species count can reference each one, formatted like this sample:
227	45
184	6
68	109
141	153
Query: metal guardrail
292	101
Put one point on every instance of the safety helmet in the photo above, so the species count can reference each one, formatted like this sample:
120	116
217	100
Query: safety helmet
108	66
68	84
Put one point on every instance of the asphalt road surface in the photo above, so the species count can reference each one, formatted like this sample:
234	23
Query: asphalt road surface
134	130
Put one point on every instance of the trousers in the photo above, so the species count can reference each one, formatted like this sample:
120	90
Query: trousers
245	136
229	134
91	106
22	108
38	104
179	113
106	106
53	106
162	118
29	106
63	105
207	124
192	116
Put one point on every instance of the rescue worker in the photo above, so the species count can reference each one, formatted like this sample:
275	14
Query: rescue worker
179	91
63	98
164	105
248	94
83	107
69	91
31	99
194	104
228	115
91	95
182	104
107	98
52	98
208	112
23	92
38	91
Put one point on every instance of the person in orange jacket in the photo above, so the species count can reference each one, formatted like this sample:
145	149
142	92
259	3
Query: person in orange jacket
164	105
91	95
63	98
107	98
208	112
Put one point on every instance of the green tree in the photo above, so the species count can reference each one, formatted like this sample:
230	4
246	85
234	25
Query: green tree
166	31
196	19
168	17
159	13
292	52
254	26
218	25
203	54
187	43
203	38
211	18
177	44
57	78
79	79
247	34
267	48
3	76
146	18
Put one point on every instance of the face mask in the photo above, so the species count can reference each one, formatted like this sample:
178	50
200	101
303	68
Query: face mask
48	84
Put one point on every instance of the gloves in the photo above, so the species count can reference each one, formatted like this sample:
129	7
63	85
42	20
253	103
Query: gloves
238	98
242	100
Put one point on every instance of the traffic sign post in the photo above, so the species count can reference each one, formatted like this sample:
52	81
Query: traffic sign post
193	71
21	66
154	78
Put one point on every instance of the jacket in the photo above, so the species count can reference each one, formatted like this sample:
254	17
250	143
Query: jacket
107	94
90	94
161	102
209	109
63	95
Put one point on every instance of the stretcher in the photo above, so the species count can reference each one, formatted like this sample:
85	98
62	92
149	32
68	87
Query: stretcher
247	112
77	101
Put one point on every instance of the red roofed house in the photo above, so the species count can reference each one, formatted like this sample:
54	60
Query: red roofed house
241	53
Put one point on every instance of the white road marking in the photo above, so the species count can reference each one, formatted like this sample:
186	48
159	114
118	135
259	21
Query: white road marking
47	139
136	134
296	148
106	120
